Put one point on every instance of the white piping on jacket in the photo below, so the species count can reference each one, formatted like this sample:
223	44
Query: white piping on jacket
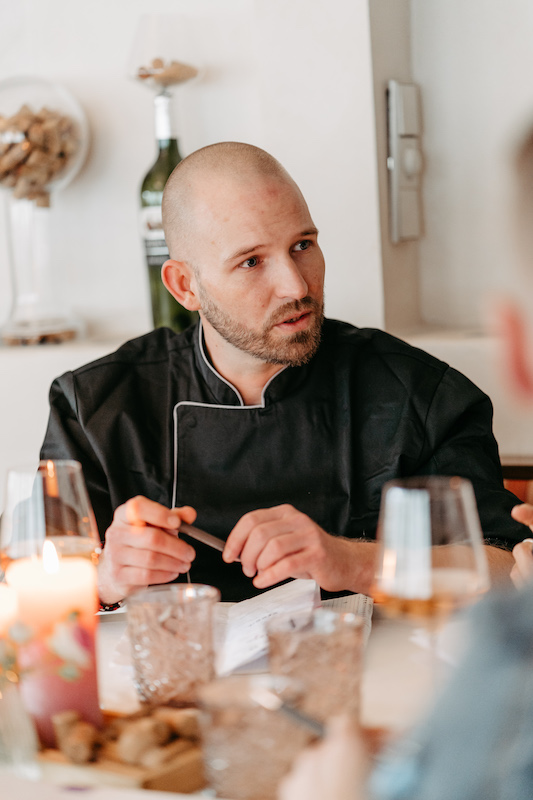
240	407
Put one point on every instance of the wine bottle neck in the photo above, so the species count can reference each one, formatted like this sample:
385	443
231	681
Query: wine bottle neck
164	128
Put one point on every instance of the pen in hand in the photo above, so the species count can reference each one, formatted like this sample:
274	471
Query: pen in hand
202	536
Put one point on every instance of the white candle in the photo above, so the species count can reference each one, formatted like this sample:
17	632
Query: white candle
47	596
8	607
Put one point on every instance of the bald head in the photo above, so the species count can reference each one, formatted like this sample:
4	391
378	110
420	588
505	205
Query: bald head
225	162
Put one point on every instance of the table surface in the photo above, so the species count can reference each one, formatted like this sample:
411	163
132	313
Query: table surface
397	675
398	684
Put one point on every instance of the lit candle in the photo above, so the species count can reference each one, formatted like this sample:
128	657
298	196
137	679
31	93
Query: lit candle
55	637
8	608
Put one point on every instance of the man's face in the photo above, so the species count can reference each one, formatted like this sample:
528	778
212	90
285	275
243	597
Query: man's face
258	269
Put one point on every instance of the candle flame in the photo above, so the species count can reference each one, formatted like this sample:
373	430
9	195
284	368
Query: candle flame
50	558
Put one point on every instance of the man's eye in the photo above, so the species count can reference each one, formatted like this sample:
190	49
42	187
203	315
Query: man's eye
250	262
303	245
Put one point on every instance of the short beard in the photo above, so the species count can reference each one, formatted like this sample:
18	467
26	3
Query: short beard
292	351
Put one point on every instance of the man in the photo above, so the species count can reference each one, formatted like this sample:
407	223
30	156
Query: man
276	428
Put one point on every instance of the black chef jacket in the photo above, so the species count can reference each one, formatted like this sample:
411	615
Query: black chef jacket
156	419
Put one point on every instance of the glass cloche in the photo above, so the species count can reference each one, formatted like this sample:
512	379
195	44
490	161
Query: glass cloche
44	139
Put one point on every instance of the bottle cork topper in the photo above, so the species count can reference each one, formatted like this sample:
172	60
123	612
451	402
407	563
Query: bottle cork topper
166	73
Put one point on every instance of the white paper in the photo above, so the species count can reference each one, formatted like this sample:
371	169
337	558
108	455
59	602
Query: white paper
359	604
240	627
241	642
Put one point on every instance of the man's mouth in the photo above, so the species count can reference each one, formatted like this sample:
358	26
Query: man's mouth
297	320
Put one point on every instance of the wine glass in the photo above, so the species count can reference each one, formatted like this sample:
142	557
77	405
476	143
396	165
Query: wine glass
431	562
431	559
49	502
158	42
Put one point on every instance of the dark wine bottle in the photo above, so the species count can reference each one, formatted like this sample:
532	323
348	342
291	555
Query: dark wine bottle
166	311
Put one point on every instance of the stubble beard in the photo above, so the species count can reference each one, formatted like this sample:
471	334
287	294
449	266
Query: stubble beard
293	350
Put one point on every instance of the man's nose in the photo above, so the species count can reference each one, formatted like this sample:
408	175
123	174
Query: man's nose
290	282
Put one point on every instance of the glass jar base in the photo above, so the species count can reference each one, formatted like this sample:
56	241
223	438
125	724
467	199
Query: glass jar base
45	331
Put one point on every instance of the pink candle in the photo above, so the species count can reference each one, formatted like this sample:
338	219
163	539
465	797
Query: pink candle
55	637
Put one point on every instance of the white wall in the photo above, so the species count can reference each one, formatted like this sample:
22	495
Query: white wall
293	77
390	25
474	61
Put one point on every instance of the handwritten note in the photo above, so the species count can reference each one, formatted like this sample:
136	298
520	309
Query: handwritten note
240	637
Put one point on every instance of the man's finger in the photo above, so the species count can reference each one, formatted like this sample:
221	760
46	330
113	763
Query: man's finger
149	541
291	567
136	576
244	527
523	513
523	556
140	511
264	546
286	543
169	561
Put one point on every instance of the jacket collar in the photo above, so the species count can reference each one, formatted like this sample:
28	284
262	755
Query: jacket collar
281	384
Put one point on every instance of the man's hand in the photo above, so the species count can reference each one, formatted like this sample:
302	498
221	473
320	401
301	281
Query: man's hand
142	548
279	543
522	570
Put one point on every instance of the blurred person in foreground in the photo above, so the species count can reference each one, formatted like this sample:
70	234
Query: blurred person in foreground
274	427
477	742
514	325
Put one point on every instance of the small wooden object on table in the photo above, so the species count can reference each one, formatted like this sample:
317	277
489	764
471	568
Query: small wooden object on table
156	750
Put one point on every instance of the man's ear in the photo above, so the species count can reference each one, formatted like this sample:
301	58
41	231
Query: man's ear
177	275
517	345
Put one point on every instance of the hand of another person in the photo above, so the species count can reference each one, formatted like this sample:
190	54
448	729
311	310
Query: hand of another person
335	769
142	548
522	570
280	542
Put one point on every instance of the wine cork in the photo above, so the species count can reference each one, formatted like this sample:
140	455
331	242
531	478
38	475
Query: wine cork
183	721
156	756
36	134
141	735
15	155
167	73
63	723
77	740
